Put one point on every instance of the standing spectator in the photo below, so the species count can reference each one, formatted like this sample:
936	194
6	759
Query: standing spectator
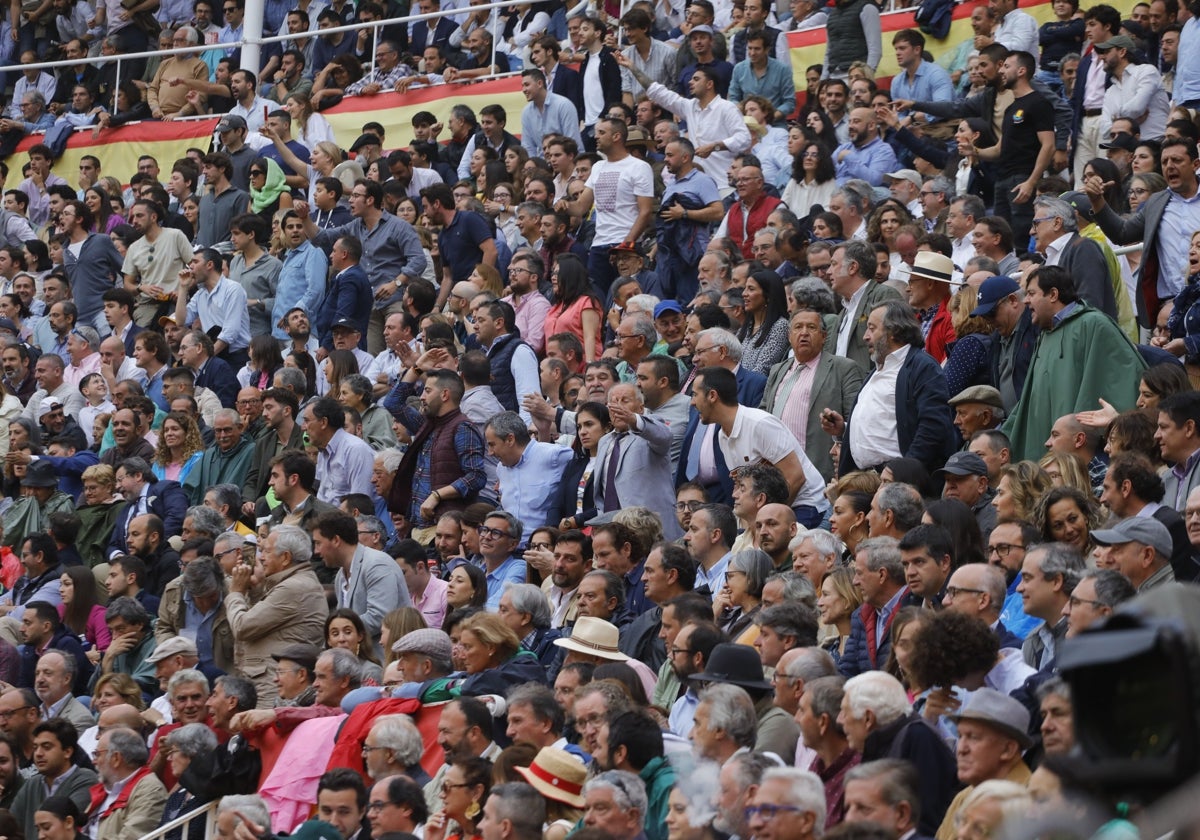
621	190
854	33
546	114
291	609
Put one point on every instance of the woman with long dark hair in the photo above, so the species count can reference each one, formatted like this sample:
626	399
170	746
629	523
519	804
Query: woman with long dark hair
820	128
813	179
576	500
764	335
576	310
97	200
304	363
264	360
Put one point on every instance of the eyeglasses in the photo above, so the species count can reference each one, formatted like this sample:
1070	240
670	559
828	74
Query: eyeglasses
11	712
675	651
518	269
494	533
1074	602
769	812
541	546
366	750
221	554
378	805
1003	548
690	507
254	173
953	592
583	723
1139	191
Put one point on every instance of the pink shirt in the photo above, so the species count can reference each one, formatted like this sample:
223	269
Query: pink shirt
531	319
432	602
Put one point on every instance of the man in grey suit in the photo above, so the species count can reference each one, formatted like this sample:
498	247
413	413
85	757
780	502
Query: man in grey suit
658	379
850	274
633	462
368	581
1164	258
799	389
1056	234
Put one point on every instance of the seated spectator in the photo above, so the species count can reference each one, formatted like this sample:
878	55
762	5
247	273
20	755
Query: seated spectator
59	764
132	643
394	747
134	797
190	744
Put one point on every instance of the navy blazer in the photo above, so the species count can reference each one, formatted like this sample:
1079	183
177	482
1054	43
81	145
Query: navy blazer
751	385
131	337
567	82
349	296
924	422
441	36
218	377
167	500
1026	337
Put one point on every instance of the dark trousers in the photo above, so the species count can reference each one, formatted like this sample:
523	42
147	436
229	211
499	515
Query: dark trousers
1019	216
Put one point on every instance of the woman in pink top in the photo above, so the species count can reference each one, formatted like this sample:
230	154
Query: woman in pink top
81	611
577	310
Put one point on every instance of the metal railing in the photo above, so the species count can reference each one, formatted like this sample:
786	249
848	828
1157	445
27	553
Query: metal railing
250	56
206	812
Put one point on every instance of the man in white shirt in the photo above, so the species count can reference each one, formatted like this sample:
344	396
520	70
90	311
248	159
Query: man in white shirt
751	435
715	125
1015	29
1136	90
621	189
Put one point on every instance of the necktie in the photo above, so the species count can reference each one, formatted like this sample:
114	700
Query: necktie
611	502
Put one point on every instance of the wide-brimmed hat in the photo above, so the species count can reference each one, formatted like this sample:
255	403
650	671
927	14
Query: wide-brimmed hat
1000	712
933	266
556	775
595	637
734	664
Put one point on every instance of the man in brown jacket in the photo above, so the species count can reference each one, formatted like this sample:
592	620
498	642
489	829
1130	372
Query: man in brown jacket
290	609
128	800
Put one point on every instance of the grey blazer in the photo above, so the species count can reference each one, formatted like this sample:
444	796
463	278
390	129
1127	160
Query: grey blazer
644	477
856	349
376	587
835	386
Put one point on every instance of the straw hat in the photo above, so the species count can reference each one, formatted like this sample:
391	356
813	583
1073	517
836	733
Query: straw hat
557	775
593	636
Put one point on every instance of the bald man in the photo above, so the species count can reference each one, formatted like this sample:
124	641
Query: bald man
865	156
774	528
978	590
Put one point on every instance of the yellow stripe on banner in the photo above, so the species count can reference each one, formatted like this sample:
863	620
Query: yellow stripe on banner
808	48
395	110
119	149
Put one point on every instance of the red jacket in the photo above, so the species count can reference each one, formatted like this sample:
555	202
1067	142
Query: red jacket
941	334
743	234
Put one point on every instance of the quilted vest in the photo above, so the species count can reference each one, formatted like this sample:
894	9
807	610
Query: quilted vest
844	35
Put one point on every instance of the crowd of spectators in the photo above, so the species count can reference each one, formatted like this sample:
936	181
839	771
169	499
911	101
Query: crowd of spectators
672	460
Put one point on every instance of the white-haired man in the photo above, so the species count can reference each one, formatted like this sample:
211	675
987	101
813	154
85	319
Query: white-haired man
879	722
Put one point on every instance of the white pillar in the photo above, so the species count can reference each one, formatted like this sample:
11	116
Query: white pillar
252	31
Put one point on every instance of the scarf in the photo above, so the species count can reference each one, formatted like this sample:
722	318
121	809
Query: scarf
273	187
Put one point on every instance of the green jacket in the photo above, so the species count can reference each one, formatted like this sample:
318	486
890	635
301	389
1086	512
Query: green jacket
217	467
76	786
659	777
1083	358
133	662
95	530
26	516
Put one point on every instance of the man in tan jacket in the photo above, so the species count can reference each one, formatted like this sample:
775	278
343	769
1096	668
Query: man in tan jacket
128	800
290	607
168	97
